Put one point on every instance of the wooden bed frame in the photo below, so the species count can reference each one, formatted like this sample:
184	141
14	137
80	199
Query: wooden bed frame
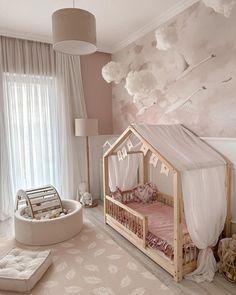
136	229
183	262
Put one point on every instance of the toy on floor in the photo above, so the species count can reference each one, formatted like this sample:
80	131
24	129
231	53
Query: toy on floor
227	254
41	203
84	197
42	218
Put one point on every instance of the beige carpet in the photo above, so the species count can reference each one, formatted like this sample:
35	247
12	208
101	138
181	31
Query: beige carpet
92	263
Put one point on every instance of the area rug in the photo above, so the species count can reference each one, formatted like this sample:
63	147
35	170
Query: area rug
92	263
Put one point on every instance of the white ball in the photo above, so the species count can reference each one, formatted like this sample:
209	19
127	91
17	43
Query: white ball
114	72
166	36
221	6
140	83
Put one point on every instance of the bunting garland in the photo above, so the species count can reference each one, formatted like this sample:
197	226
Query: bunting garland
120	156
153	160
129	144
124	152
144	149
164	169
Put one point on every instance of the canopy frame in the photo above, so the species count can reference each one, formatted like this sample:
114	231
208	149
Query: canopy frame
179	268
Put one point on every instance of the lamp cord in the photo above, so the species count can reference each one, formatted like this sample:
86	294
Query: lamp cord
73	3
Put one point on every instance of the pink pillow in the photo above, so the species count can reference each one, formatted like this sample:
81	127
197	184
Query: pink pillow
144	193
117	195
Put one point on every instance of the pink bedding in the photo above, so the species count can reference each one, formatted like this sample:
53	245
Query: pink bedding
160	226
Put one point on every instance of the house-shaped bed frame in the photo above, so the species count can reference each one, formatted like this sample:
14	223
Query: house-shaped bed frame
182	263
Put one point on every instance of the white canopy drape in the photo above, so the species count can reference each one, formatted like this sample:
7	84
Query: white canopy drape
203	173
124	173
205	213
40	95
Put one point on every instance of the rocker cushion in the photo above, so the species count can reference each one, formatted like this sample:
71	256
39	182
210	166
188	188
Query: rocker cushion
21	269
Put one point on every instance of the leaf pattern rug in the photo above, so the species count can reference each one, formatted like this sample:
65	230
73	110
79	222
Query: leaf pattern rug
92	263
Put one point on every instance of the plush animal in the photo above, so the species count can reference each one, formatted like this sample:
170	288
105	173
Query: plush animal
81	190
86	199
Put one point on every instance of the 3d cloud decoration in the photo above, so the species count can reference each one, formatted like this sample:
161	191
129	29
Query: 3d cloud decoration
166	36
221	6
114	72
140	84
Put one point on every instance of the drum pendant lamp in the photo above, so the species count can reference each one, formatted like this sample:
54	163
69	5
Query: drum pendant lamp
74	31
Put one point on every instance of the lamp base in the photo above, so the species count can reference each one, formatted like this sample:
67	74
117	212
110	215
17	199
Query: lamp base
94	204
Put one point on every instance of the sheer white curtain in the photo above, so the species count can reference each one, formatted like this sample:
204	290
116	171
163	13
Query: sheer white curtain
6	190
206	209
124	173
31	121
72	105
203	173
40	95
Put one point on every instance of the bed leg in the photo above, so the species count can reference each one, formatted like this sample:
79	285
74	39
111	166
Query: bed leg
178	276
105	185
178	232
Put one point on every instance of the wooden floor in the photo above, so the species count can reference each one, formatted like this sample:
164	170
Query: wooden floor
219	287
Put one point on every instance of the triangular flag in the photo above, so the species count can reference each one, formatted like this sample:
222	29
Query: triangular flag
124	152
153	160
164	169
144	149
119	154
129	144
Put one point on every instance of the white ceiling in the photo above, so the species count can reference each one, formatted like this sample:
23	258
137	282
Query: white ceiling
118	21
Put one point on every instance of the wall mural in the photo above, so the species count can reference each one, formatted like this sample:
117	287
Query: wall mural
183	72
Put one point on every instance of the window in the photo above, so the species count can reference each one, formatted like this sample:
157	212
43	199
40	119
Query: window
31	121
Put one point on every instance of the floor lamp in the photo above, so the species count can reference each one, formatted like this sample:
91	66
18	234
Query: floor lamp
86	128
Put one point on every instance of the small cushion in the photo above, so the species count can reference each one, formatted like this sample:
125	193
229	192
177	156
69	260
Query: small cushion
117	195
21	269
144	193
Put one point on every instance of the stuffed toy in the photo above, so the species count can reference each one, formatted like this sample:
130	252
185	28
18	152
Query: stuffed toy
83	196
81	190
86	199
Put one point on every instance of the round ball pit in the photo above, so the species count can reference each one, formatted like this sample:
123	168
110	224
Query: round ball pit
51	231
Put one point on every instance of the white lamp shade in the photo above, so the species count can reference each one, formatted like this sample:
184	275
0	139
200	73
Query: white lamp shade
86	127
74	31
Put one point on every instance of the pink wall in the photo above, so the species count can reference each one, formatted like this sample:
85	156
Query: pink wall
194	80
98	93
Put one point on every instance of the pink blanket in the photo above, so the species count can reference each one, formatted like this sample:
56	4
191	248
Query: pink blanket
160	226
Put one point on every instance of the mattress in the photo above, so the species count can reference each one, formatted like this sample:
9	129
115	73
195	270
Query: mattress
161	227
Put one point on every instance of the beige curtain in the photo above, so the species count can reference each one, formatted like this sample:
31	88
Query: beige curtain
41	93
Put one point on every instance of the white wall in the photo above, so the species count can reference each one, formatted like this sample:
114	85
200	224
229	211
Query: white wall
227	146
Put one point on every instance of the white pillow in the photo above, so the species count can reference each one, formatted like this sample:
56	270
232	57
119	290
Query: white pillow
21	269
